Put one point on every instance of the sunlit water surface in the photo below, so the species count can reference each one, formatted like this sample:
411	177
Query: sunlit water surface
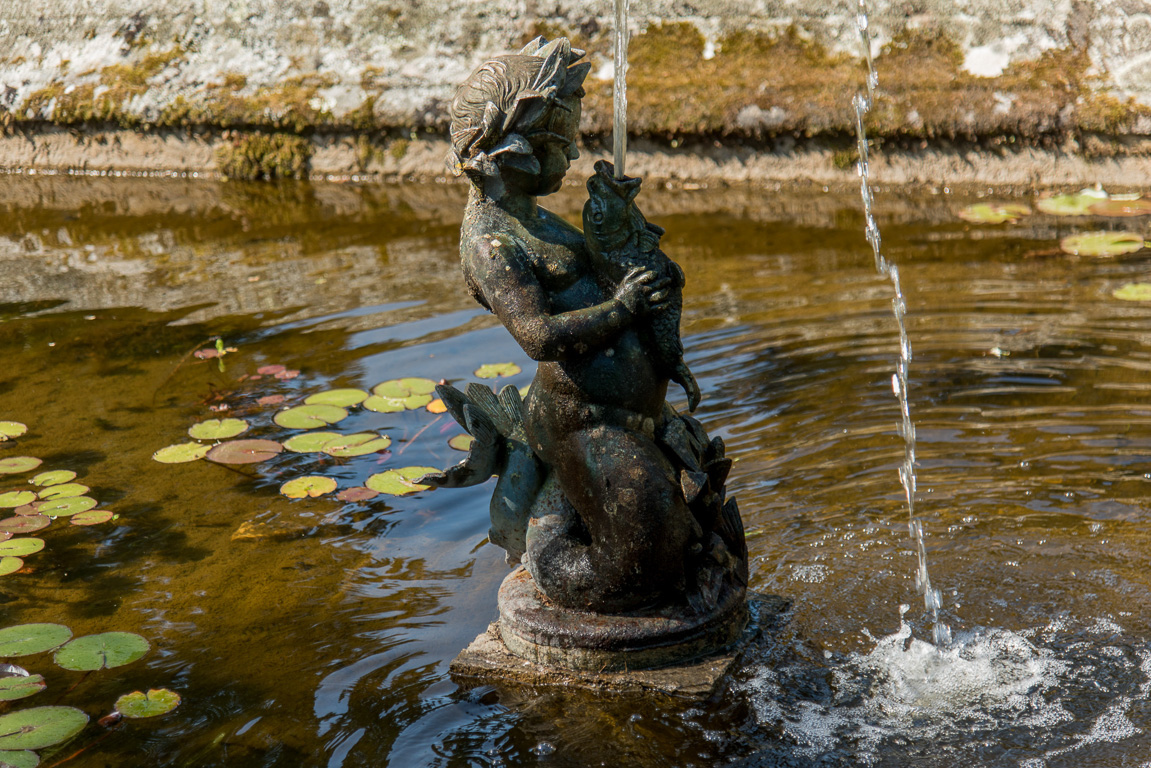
318	633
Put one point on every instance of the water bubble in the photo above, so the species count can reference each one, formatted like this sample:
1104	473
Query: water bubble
543	749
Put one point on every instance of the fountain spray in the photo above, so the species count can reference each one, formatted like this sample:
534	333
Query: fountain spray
619	124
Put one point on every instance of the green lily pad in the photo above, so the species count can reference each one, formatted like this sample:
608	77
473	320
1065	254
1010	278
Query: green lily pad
10	565
181	453
359	444
244	451
20	686
399	482
21	759
1102	243
357	493
218	429
1078	204
342	398
157	701
25	523
1133	292
496	370
310	416
27	639
310	442
461	442
92	517
1122	208
386	404
16	499
308	486
103	651
397	395
53	477
20	547
11	429
64	491
14	465
993	213
40	727
65	507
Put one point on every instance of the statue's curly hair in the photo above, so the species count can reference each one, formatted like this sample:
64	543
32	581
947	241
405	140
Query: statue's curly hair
509	99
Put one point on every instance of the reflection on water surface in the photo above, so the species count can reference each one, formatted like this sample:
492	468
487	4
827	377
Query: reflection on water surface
318	632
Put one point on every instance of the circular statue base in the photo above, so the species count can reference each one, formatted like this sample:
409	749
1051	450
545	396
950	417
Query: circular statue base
538	631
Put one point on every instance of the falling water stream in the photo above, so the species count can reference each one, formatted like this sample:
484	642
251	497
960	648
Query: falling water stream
619	124
932	599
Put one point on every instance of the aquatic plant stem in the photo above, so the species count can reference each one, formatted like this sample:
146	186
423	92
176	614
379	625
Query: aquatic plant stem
94	742
619	124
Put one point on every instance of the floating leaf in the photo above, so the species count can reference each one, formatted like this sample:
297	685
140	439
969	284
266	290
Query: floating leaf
65	507
310	442
19	687
310	416
10	565
40	727
25	523
399	482
400	395
53	477
1121	208
343	398
386	404
1134	292
358	493
359	444
1102	243
524	390
271	400
270	370
285	375
462	442
181	453
27	509
993	213
14	465
20	547
1071	205
218	429
103	651
496	370
21	759
308	486
244	451
64	490
157	701
27	639
437	406
16	499
11	429
92	517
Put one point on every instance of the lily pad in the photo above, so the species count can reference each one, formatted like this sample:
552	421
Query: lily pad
496	370
308	486
1133	292
1122	208
92	517
271	370
20	547
40	727
20	759
16	499
25	523
10	565
64	491
27	639
387	404
436	406
65	507
271	400
14	465
181	453
397	395
358	493
1102	243
103	651
310	442
244	451
993	213
399	482
461	442
1078	204
157	701
11	429
218	429
53	477
310	416
359	444
20	686
343	398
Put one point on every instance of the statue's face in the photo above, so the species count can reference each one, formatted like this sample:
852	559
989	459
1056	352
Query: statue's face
556	149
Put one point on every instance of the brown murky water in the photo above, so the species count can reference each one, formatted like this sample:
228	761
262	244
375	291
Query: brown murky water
318	633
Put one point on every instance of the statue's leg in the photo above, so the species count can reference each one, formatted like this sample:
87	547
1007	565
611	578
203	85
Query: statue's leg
631	548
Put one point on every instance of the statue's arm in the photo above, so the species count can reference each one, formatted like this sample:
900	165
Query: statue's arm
511	291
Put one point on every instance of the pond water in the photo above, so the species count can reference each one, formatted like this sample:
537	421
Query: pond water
318	632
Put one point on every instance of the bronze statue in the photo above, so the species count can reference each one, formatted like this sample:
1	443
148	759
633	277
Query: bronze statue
613	501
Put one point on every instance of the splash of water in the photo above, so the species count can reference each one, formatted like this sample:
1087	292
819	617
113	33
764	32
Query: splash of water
862	102
619	124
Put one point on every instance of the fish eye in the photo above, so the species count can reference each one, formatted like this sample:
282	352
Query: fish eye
597	217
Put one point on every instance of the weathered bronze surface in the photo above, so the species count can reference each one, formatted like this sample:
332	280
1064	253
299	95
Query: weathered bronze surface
612	500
